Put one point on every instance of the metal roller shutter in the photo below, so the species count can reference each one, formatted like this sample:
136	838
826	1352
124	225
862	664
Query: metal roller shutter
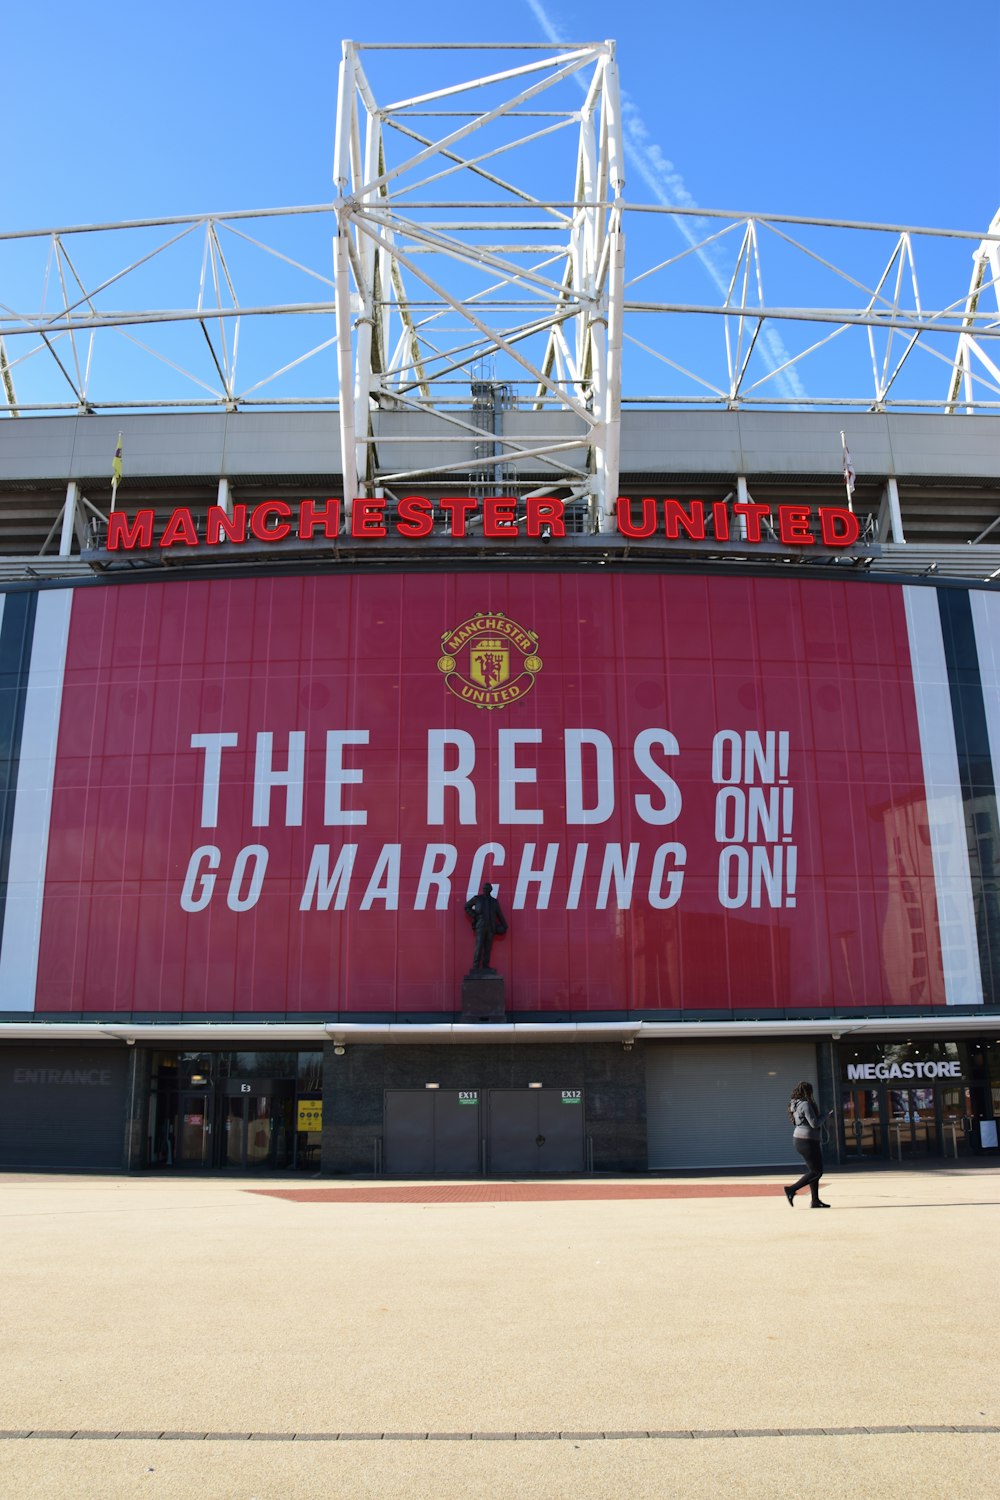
63	1107
723	1104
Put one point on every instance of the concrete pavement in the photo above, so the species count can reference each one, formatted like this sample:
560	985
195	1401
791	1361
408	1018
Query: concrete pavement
487	1347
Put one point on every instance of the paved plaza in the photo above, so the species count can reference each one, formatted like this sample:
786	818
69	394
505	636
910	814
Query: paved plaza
230	1338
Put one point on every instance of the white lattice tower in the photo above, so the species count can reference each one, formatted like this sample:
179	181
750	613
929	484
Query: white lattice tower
421	298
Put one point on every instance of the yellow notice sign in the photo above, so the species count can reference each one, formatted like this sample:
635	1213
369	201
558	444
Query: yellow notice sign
310	1114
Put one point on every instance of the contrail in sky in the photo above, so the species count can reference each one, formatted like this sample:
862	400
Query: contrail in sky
668	187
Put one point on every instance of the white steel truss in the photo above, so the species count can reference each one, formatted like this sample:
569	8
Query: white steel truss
971	348
531	286
479	294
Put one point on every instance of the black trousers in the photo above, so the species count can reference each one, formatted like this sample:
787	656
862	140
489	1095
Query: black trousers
812	1154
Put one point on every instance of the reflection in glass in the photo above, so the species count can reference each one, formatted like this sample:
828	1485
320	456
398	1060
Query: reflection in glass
258	1130
233	1127
263	1064
310	1072
910	947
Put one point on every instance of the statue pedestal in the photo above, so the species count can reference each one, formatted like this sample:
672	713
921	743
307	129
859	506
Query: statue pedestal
483	997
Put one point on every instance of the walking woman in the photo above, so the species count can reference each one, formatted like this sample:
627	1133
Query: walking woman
805	1116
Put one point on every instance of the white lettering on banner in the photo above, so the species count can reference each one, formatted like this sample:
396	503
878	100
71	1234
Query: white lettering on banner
199	883
872	1072
750	757
665	785
265	777
213	746
513	775
459	778
576	878
604	777
600	780
437	869
321	886
756	876
675	879
337	777
759	864
384	884
591	794
622	872
253	859
495	852
529	875
620	869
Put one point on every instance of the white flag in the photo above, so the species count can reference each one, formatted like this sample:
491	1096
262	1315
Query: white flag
848	467
116	472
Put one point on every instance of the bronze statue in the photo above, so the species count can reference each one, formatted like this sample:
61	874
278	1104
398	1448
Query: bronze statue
483	911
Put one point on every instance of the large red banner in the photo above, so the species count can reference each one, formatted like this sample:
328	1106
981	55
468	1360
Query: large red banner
275	795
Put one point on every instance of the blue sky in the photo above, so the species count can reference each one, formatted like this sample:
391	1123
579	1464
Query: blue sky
865	110
119	112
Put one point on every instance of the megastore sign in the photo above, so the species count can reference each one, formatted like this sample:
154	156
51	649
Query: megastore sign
496	518
871	1072
275	795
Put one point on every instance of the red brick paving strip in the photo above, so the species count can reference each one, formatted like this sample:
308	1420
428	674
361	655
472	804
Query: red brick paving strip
521	1192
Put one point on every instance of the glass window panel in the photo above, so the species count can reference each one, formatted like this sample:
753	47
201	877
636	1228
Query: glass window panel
263	1064
861	1124
310	1072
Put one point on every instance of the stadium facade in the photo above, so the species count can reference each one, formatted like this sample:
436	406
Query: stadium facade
724	738
738	800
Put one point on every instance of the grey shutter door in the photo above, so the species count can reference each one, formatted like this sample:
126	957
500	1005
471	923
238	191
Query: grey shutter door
723	1104
63	1107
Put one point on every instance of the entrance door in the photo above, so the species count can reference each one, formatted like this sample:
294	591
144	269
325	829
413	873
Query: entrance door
861	1114
192	1142
956	1120
257	1125
912	1123
535	1130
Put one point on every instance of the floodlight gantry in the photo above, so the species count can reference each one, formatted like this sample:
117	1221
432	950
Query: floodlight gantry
548	316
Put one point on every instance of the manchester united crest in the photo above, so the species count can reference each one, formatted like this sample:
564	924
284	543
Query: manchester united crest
490	661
